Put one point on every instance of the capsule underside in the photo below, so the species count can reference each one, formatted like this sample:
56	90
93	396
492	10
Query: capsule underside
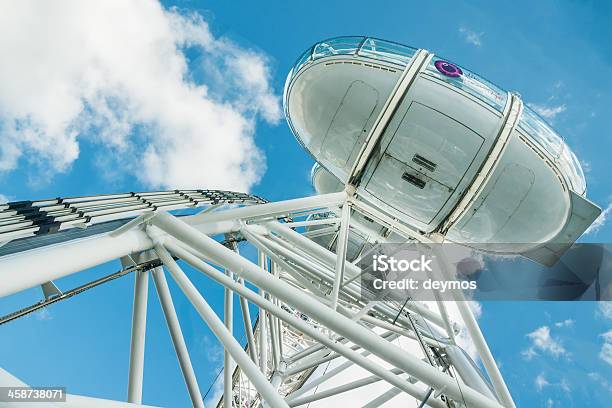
434	146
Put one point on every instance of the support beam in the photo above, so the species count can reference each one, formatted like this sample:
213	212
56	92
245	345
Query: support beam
274	250
275	209
405	80
330	258
383	398
310	223
320	380
308	245
40	265
51	262
305	352
443	313
262	324
404	332
248	325
218	328
274	343
341	246
476	335
279	324
327	356
228	364
301	325
323	314
163	292
137	346
330	392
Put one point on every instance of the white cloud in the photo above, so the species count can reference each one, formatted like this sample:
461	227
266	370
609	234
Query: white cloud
600	221
606	353
541	382
565	323
463	337
544	342
586	166
116	74
565	386
464	340
212	349
529	353
547	112
44	314
215	394
606	349
476	308
3	199
471	37
601	380
606	309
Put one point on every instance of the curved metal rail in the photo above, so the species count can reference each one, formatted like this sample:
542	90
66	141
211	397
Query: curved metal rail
24	219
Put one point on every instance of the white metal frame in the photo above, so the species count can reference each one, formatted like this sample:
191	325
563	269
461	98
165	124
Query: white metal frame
294	276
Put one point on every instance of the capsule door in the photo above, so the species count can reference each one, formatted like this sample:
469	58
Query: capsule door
424	162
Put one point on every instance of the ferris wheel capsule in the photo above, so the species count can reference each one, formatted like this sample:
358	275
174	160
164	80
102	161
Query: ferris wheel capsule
437	147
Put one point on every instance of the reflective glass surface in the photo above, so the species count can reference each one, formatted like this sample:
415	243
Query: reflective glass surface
468	81
539	131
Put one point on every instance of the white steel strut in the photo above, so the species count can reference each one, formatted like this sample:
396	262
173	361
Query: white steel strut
314	338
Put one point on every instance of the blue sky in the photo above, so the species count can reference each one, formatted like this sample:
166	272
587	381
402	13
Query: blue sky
557	55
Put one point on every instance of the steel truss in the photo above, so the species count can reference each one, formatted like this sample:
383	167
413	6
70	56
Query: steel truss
310	311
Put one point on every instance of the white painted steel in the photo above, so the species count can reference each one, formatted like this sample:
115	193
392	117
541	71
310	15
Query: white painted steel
216	325
387	112
271	210
277	239
382	398
263	327
341	246
48	263
357	358
139	327
248	325
228	363
339	389
335	321
476	335
52	262
176	334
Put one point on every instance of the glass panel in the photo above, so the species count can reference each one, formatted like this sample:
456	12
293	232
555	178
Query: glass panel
539	131
304	58
336	46
570	167
468	81
368	47
387	51
578	174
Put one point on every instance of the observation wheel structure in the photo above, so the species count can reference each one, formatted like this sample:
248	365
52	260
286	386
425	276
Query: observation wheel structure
308	316
409	148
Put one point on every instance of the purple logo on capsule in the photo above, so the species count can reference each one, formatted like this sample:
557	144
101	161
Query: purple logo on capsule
448	69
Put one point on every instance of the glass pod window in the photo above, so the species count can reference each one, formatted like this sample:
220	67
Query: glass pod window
538	130
468	81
